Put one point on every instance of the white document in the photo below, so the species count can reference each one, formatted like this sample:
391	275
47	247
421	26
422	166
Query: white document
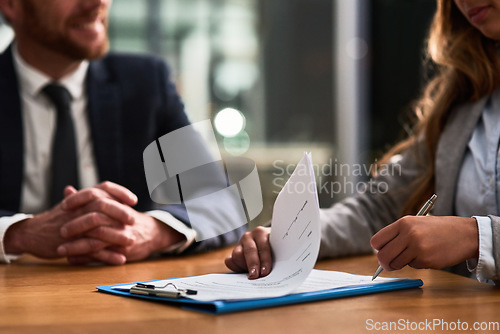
295	239
237	286
295	230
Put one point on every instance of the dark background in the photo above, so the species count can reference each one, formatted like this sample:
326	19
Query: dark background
298	48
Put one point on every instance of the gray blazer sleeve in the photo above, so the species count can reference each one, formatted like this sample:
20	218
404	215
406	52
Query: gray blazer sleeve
347	226
495	225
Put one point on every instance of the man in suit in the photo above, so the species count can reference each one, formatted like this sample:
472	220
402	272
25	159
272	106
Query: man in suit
119	105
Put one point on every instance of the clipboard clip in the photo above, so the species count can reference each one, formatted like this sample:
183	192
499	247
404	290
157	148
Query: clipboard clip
159	291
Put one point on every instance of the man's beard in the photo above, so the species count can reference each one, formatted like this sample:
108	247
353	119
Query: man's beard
56	41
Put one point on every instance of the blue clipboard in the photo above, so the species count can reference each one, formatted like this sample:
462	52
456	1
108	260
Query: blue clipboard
222	307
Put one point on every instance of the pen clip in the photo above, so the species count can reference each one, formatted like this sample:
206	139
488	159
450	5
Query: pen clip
158	291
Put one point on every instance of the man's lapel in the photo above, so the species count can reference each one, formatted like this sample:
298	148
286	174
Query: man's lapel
105	121
11	135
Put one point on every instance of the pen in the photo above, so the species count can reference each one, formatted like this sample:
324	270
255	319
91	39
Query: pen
422	212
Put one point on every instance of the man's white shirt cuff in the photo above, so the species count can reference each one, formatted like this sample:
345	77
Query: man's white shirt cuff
177	225
484	266
5	223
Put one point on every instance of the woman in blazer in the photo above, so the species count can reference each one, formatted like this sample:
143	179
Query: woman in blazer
453	152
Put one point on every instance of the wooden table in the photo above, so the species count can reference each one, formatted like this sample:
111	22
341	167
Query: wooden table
53	297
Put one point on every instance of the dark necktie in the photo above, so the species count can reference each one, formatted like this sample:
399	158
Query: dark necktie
64	156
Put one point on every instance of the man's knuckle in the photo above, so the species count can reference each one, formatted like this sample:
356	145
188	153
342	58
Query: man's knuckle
94	244
100	232
101	205
93	193
91	218
129	217
94	218
129	238
105	184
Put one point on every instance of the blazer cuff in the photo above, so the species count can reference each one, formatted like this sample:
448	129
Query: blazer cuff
178	226
5	223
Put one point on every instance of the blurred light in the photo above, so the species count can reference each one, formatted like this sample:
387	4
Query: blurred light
238	144
229	122
233	77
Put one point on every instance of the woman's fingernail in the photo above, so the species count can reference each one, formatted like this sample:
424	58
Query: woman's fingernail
252	273
263	270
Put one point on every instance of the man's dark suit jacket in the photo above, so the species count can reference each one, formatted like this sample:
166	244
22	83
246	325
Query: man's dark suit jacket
131	102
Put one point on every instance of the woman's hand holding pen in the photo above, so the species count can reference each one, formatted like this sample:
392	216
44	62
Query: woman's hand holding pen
426	242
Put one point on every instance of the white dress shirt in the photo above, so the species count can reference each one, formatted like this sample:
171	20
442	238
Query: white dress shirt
478	185
39	118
